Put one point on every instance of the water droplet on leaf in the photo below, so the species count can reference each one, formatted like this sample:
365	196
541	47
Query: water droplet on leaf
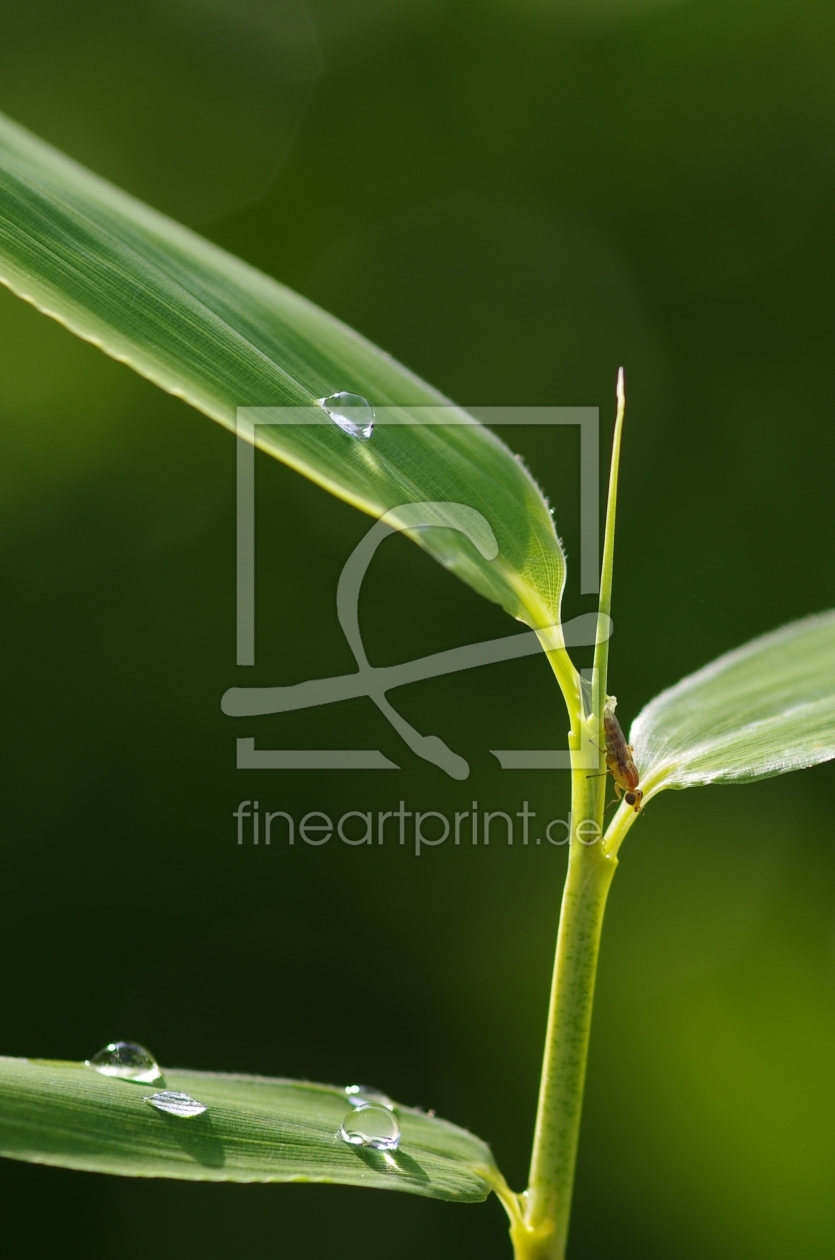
376	1127
126	1060
175	1103
353	413
367	1096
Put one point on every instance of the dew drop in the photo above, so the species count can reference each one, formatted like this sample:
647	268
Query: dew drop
367	1096
126	1060
376	1127
175	1103
353	413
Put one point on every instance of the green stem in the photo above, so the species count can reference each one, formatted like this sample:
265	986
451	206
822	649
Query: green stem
541	1233
539	1218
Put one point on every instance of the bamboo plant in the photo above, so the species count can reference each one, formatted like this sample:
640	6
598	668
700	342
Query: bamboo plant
214	331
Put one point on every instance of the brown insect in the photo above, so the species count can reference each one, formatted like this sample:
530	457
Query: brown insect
619	763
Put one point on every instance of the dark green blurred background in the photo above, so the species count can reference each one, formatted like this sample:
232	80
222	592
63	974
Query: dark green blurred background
513	198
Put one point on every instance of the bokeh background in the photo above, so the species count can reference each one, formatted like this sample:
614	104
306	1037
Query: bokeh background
513	197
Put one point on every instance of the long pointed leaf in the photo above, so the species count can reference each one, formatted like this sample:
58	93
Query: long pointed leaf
216	332
254	1129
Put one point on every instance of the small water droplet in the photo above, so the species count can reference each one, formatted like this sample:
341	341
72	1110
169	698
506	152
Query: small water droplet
126	1060
376	1127
175	1103
367	1096
353	413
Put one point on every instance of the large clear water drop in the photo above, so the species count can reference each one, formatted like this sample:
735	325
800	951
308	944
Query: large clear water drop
375	1127
126	1060
367	1096
176	1104
353	413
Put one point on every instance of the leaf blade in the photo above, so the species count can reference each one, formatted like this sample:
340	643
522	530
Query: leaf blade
763	709
256	1129
221	335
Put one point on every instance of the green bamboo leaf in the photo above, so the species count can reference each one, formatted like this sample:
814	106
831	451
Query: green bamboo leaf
221	335
254	1129
764	709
